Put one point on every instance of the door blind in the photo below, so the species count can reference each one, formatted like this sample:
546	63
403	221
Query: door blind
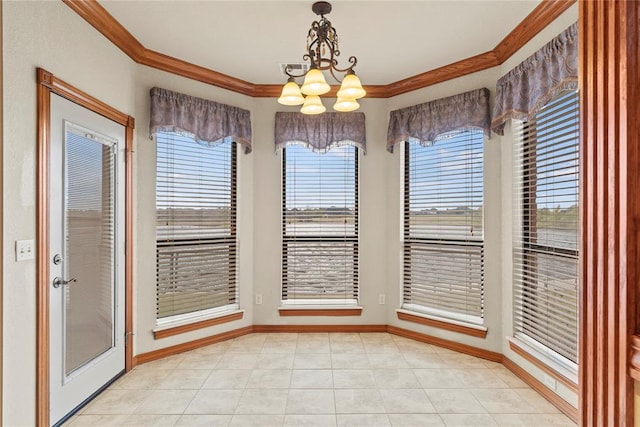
196	226
546	234
443	236
320	225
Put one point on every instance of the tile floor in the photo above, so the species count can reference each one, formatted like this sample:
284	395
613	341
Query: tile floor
325	379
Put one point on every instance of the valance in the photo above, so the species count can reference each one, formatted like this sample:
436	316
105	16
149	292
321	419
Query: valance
425	123
320	132
524	90
208	122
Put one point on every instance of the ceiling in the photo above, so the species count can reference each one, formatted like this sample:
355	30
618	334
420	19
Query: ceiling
392	40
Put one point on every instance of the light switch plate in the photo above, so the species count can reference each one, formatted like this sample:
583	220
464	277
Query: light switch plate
25	250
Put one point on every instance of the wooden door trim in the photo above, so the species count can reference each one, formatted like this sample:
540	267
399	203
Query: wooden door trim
610	208
48	84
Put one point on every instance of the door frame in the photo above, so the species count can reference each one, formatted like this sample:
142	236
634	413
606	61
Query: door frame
48	84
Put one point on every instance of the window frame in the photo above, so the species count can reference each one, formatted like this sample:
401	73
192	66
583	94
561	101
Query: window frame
463	323
526	194
317	303
176	321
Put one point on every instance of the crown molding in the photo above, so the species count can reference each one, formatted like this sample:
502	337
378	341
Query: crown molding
98	17
182	68
442	74
273	91
544	14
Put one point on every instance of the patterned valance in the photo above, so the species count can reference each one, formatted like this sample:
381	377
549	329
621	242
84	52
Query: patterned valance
320	132
425	123
206	121
537	80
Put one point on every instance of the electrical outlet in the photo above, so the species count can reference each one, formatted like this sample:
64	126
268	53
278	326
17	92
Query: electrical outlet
258	299
25	250
382	299
550	382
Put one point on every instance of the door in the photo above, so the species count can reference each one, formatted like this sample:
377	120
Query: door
86	311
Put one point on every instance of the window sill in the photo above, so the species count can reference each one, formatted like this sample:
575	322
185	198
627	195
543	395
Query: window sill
437	322
176	329
330	311
551	367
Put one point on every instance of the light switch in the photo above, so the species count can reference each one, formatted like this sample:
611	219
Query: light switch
25	249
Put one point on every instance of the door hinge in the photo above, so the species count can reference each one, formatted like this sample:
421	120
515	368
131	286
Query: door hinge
126	338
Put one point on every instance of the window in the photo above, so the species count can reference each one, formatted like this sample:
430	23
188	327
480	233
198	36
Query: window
546	236
443	237
320	225
196	227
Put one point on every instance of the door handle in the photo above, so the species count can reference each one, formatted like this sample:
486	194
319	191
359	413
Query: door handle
57	282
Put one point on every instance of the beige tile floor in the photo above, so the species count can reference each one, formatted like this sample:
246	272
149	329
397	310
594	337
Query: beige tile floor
325	379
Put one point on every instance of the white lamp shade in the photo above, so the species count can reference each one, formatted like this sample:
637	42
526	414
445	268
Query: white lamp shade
345	104
314	83
351	88
312	105
291	94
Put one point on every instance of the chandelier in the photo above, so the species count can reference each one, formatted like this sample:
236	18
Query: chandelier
322	51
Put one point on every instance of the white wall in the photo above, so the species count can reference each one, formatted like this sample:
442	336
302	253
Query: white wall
49	35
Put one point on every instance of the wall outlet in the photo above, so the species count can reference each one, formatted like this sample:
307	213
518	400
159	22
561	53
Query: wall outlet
258	299
382	299
25	250
550	382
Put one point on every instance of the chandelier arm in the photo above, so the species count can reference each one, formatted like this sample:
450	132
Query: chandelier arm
289	72
352	60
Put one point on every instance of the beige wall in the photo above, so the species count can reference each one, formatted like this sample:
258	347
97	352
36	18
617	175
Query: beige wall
50	35
373	208
492	217
506	189
145	214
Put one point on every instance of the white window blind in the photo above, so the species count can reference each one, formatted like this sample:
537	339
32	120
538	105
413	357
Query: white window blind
546	231
443	237
319	225
196	226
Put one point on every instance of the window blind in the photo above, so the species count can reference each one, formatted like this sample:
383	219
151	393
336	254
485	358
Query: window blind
546	232
443	235
319	225
196	226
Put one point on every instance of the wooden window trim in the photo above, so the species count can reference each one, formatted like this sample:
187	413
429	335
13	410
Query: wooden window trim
329	312
422	319
194	326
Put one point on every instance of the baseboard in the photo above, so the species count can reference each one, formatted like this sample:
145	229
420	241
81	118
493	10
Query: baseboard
319	328
191	345
564	406
451	345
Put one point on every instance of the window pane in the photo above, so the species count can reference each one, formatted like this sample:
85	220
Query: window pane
443	227
546	237
196	217
320	224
